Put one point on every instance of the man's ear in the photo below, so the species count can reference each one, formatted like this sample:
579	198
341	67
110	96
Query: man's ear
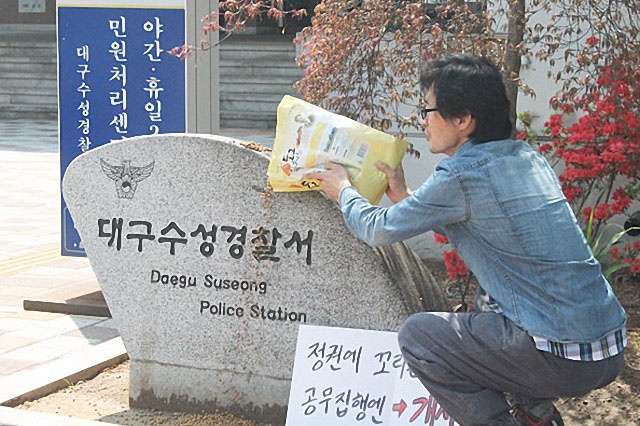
466	124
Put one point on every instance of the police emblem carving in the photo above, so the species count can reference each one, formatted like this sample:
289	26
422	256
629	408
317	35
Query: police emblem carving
126	177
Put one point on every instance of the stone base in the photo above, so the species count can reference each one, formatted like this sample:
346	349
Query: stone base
196	390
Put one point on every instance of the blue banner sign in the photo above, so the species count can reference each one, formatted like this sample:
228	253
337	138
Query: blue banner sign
116	79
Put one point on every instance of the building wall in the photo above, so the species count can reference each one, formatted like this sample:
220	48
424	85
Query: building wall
28	12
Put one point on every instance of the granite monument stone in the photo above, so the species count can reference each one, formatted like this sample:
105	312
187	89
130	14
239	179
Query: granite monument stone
208	274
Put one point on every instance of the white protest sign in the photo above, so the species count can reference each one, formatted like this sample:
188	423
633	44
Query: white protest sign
344	376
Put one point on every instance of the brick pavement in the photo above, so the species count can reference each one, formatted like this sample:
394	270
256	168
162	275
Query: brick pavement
41	351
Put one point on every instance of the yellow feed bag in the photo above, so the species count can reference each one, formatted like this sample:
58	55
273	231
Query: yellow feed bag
308	137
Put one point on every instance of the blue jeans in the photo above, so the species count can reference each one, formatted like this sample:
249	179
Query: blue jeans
470	361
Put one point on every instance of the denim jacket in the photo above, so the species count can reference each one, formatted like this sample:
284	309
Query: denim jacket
502	208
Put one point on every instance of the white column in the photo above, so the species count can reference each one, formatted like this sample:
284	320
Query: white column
203	87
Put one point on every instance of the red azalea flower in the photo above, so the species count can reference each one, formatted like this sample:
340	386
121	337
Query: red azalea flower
592	41
440	239
602	211
456	268
571	192
614	253
545	147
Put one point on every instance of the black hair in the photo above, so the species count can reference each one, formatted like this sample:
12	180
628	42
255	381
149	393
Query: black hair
465	84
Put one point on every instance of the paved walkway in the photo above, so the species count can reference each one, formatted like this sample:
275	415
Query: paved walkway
40	351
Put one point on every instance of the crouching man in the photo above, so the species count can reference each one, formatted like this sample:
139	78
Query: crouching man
546	323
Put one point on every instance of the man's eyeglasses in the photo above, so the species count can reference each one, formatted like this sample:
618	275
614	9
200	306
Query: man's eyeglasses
425	111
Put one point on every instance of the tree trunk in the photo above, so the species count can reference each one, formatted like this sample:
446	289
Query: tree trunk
420	291
513	54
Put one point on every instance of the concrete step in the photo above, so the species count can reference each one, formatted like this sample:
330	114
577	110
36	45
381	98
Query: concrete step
13	75
258	52
20	75
28	51
239	85
251	97
88	304
28	73
273	45
30	87
257	56
257	113
43	59
12	83
266	106
243	120
281	74
9	35
34	112
246	92
250	101
28	99
27	68
29	40
267	54
275	48
254	76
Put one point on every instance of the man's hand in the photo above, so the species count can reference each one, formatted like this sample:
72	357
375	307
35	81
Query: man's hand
397	189
334	179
